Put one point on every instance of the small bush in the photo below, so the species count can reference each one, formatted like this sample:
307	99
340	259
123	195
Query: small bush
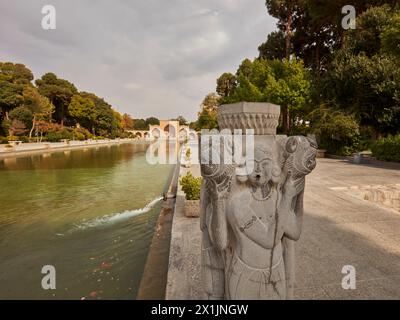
191	186
82	134
3	140
57	136
387	149
24	139
338	132
188	153
77	135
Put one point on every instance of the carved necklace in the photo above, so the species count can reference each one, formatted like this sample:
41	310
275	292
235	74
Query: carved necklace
266	192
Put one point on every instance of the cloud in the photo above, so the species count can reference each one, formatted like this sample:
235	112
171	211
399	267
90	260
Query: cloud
146	58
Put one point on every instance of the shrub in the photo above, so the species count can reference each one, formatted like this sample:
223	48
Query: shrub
188	153
56	136
387	149
191	186
77	135
339	133
3	140
24	139
82	134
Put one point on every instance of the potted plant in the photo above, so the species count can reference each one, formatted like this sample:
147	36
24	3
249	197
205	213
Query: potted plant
188	157
191	187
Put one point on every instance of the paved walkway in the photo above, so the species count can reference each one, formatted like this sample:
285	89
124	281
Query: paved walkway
340	228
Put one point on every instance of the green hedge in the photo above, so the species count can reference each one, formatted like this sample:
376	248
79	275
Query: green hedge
387	149
56	136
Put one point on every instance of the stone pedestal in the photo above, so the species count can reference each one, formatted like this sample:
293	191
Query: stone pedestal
252	207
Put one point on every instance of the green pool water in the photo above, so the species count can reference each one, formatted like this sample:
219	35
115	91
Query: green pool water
89	213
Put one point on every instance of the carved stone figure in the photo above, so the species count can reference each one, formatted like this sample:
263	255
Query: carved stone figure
251	219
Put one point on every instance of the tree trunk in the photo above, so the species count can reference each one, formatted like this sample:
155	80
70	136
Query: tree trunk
318	62
289	30
62	117
285	119
33	127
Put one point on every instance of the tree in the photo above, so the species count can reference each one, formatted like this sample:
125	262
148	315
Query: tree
59	92
127	122
245	68
83	109
16	73
182	121
225	84
289	87
17	128
40	106
116	125
274	47
211	103
206	120
391	36
282	82
13	78
22	114
10	96
338	132
41	127
370	26
152	121
106	122
35	102
367	87
140	124
285	11
245	91
207	117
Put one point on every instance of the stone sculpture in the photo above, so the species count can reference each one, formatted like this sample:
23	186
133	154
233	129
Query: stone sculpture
250	220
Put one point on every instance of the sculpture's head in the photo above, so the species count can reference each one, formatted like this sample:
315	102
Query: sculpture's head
301	153
263	168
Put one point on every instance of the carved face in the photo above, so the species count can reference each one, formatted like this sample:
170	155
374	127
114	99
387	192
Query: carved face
262	166
303	152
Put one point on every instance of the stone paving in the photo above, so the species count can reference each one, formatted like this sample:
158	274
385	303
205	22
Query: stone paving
340	228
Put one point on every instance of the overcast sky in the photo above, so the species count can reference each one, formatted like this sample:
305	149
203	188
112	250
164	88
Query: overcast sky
145	57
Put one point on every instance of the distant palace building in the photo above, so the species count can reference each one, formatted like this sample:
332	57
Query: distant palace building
167	129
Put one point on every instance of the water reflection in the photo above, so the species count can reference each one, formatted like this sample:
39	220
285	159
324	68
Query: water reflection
99	157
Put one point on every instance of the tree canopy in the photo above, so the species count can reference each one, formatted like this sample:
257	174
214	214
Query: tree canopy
48	104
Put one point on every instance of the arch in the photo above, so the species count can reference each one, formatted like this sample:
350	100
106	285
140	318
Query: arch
156	133
138	135
192	135
183	134
170	131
